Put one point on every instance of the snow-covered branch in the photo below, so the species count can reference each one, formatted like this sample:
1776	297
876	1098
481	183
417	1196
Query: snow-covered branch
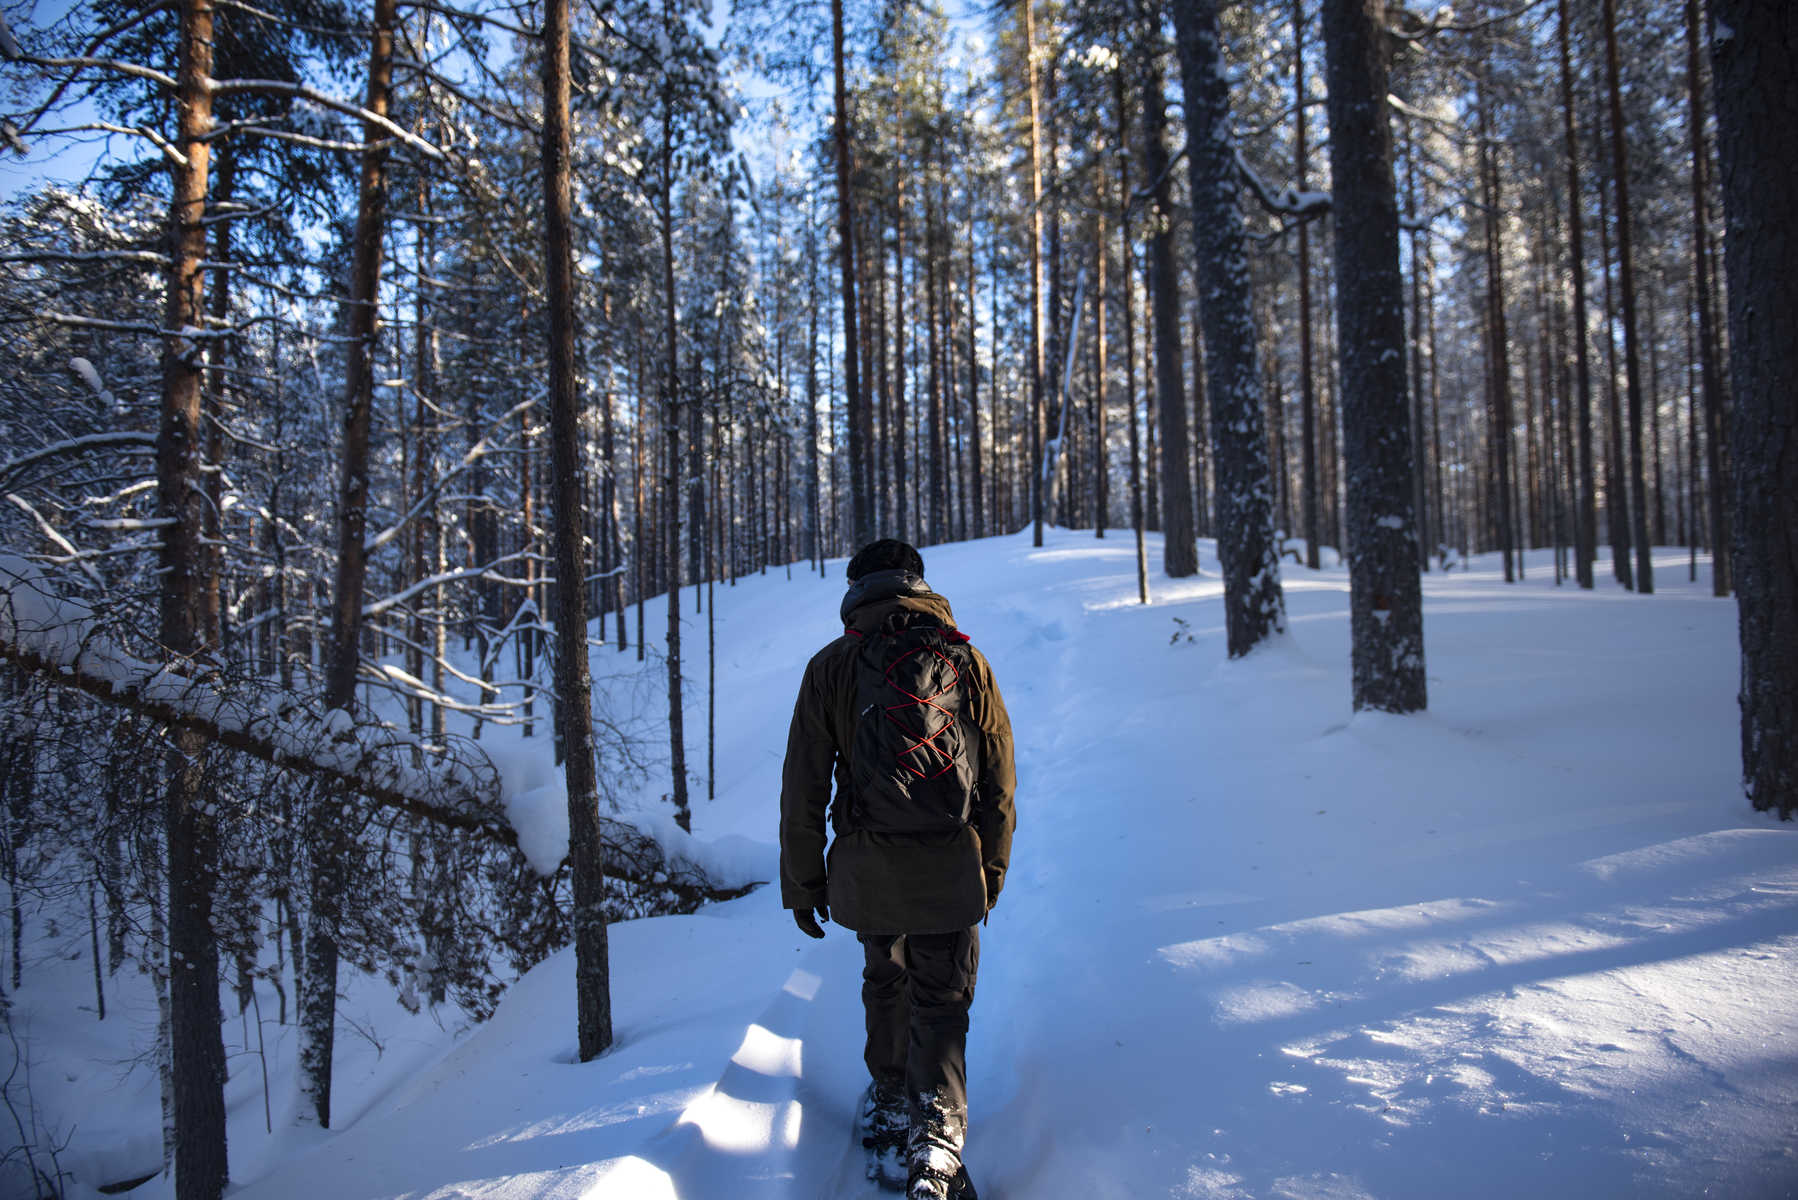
299	91
1286	201
473	455
167	147
1407	110
112	65
122	440
299	139
377	607
453	785
1406	25
143	327
64	639
149	258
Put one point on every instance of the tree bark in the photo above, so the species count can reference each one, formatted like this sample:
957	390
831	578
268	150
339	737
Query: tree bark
1254	605
977	482
1585	526
897	423
1754	53
1179	550
1498	358
327	836
1616	469
814	488
196	1046
1626	283
1101	467
1307	385
1420	507
1127	287
861	501
1710	371
574	680
671	465
1036	277
1385	592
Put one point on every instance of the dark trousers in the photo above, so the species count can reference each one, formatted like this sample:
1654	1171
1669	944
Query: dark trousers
916	991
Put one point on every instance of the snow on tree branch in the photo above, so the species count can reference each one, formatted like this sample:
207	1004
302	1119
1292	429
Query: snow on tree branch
118	441
453	784
45	632
9	49
299	91
1284	201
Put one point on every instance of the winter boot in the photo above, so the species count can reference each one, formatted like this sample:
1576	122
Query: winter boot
933	1153
939	1176
884	1123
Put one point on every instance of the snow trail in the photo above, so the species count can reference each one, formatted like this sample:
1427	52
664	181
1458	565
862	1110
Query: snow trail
1252	944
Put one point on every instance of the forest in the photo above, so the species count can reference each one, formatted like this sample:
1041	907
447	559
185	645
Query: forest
383	380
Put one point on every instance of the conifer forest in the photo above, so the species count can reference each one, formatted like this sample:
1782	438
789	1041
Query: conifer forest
396	394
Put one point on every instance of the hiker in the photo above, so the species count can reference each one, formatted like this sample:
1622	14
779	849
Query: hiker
904	711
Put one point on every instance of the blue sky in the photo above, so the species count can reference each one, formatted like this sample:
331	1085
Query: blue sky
61	159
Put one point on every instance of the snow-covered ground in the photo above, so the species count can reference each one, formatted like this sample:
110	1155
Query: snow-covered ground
1530	942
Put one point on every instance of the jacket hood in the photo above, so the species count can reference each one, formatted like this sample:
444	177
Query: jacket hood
870	598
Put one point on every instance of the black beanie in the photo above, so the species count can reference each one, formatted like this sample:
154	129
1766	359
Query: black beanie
887	554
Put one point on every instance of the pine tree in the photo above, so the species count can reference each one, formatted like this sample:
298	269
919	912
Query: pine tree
1757	119
1254	606
1385	593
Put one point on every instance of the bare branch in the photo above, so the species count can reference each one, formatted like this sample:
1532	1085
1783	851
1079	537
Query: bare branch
457	14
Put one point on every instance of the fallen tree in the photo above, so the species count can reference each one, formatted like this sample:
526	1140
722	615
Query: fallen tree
452	783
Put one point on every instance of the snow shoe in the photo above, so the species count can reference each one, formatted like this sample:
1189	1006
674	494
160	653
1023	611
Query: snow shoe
884	1123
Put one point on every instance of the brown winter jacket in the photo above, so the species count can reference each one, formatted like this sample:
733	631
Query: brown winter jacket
876	882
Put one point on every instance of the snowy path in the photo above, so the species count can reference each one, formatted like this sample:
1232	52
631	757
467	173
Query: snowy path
1531	940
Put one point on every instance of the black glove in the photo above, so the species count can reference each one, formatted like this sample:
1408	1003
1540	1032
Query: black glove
803	918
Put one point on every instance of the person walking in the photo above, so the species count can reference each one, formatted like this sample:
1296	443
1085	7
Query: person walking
903	714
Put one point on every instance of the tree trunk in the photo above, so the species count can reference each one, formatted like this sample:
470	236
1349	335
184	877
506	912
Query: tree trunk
1616	469
574	680
1498	359
1420	508
196	1046
861	502
1036	277
1254	606
327	836
1585	526
671	464
897	422
1385	592
1626	282
1151	470
814	500
639	564
1101	468
1307	384
1754	46
1127	287
1179	551
1710	371
936	528
1201	484
978	482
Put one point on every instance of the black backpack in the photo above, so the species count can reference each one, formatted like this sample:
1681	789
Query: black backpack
915	759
